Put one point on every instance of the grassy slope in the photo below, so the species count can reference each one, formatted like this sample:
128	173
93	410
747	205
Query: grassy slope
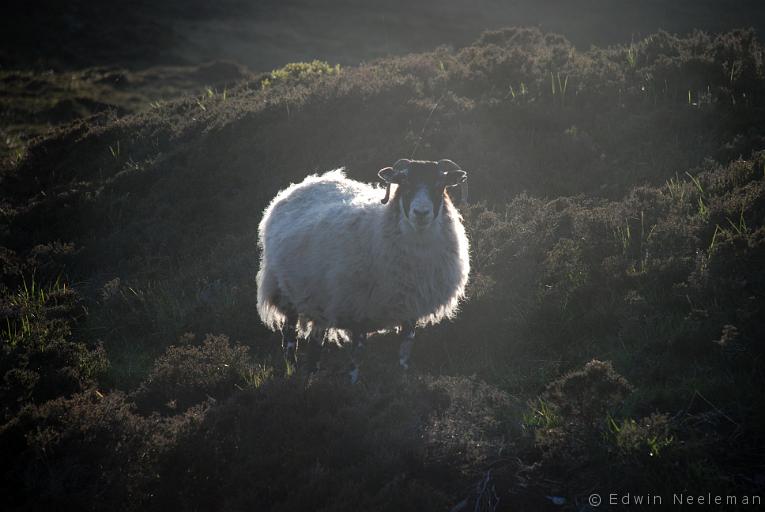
621	219
33	103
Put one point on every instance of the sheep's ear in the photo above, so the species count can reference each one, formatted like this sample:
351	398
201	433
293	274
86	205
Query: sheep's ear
455	177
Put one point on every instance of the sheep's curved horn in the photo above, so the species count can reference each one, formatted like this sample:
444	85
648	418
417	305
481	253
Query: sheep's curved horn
393	175
387	194
445	165
402	164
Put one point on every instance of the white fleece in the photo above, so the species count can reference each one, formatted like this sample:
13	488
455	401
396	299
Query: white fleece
336	256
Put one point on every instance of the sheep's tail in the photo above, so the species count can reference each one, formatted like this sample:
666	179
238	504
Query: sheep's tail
268	299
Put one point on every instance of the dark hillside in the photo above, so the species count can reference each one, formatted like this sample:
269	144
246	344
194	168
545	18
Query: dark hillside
613	331
133	34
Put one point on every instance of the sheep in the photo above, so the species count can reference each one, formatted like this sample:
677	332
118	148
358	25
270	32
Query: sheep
335	259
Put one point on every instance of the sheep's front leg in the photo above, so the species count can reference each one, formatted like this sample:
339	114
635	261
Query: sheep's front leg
289	341
407	342
357	348
315	343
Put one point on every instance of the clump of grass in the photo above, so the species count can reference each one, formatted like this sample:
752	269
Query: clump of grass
300	72
30	303
703	210
649	437
542	415
632	56
559	92
115	150
737	229
256	376
676	189
41	359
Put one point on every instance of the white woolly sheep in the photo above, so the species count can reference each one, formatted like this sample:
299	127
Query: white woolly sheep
336	258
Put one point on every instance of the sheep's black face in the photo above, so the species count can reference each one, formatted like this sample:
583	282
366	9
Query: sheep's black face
422	193
421	188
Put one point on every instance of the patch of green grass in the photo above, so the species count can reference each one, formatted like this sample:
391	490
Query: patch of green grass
29	302
703	210
559	92
676	189
541	415
300	72
632	56
256	376
650	436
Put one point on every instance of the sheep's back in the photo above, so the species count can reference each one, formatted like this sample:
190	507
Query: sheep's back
315	238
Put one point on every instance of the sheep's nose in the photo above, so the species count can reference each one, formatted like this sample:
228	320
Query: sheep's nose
421	212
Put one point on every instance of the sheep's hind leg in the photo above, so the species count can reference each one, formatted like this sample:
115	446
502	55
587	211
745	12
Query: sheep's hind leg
357	348
289	341
407	342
